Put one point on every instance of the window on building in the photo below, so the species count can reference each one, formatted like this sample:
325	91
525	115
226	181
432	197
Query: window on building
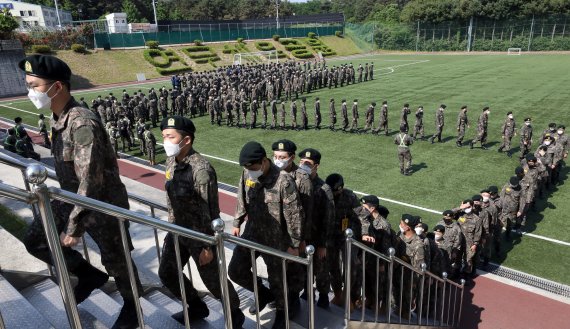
36	23
22	13
117	21
30	13
123	21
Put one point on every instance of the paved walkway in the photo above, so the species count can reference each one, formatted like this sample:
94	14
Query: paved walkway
490	302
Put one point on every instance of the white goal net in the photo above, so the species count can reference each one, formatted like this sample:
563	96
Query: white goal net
257	57
514	51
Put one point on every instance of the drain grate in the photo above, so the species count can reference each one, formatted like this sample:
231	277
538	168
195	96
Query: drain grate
531	280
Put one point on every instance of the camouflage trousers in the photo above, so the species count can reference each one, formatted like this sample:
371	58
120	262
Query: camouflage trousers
438	131
103	229
481	137
506	144
525	148
404	292
470	260
418	130
239	271
382	125
150	151
405	158
209	273
460	133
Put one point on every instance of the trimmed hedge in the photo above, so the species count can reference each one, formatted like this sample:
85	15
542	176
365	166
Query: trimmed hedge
294	47
150	54
338	34
202	55
229	50
313	42
264	46
152	44
198	42
77	48
41	49
207	60
194	49
276	37
286	42
302	53
173	70
312	35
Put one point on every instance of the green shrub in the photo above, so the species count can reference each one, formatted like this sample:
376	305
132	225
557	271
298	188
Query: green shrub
194	49
281	54
264	46
276	37
77	48
201	55
207	60
41	49
286	42
338	34
152	44
151	54
198	42
302	53
313	42
173	70
239	40
294	47
211	62
228	50
312	35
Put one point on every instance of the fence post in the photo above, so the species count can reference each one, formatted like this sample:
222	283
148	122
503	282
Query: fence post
531	32
469	32
417	36
553	31
218	226
37	175
348	233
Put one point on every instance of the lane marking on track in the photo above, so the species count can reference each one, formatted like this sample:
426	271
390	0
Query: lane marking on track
17	109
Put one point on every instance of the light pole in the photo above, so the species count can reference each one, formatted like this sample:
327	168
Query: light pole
154	8
277	3
57	13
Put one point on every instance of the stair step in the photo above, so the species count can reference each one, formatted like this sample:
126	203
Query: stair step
17	312
154	317
45	296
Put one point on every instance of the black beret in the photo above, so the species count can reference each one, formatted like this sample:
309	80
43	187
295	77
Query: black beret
527	119
41	116
469	201
373	103
477	198
519	170
530	157
335	181
17	119
332	99
251	153
510	112
493	189
316	98
448	213
370	199
284	145
410	220
343	100
485	108
439	228
45	67
147	126
384	102
485	190
562	127
423	225
383	211
310	154
443	106
356	100
552	125
179	123
407	105
514	181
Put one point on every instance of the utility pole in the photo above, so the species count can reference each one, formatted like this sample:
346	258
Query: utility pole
57	13
277	3
469	32
154	9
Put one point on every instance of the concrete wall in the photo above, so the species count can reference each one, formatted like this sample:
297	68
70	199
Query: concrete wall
11	77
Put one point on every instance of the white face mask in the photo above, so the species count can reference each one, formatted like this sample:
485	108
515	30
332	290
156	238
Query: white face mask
306	169
510	116
40	100
468	210
254	174
438	237
547	143
401	229
527	123
485	199
171	149
419	230
281	164
560	132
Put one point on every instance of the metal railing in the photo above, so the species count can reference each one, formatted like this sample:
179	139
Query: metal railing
41	195
395	296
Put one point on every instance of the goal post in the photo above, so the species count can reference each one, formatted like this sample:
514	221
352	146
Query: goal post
257	57
514	51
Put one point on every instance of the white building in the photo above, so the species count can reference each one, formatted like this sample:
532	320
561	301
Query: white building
30	15
117	23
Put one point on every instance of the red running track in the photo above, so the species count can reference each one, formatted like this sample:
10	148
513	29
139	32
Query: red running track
488	303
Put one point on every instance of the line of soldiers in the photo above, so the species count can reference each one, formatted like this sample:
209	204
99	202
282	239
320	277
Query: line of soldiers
18	141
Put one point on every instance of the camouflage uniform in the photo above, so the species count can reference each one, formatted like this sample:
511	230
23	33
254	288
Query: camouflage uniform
439	123
462	123
526	140
472	229
150	142
344	112
85	164
318	116
43	131
412	251
304	119
493	228
403	141
481	129
383	122
332	115
454	238
507	132
192	196
275	214
369	118
354	125
510	203
294	114
404	119
419	125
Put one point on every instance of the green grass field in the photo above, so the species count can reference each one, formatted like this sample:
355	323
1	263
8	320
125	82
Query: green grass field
529	85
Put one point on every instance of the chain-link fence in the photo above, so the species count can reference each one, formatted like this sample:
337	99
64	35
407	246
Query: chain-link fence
534	34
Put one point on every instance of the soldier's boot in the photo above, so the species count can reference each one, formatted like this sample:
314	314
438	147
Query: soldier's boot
471	145
458	143
197	310
431	140
128	317
265	297
294	307
323	301
337	300
484	147
90	278
500	149
279	322
238	318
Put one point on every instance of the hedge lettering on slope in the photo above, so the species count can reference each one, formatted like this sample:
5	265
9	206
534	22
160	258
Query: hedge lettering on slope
302	53
264	46
167	58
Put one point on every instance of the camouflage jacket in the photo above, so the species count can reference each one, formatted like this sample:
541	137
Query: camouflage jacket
192	193
377	227
452	235
419	118
273	208
345	215
472	229
526	134
305	188
510	199
323	215
508	128
462	119
412	251
85	162
439	119
384	113
482	123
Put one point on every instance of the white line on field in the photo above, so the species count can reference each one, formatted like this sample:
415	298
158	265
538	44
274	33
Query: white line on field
17	109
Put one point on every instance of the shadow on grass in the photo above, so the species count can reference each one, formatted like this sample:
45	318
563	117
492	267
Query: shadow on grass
417	167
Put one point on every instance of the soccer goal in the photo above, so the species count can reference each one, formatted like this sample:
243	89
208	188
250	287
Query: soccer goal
257	57
514	51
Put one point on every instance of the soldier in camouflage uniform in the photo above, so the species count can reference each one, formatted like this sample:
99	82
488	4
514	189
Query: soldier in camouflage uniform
345	203
462	125
192	197
404	117
253	115
150	142
369	117
270	200
294	114
318	116
419	125
85	164
510	204
439	123
282	115
383	122
403	140
472	229
344	113
508	131
454	237
332	115
490	211
354	125
304	116
482	124
43	130
319	226
410	249
526	137
376	233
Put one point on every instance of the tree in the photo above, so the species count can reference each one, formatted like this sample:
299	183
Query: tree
7	24
133	14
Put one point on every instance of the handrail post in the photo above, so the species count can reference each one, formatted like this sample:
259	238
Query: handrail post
422	286
218	226
181	281
37	175
392	254
461	302
131	271
2	325
349	234
444	277
156	243
310	251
